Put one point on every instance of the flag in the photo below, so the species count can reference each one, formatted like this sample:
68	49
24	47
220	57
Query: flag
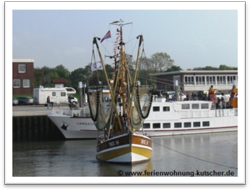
96	66
108	35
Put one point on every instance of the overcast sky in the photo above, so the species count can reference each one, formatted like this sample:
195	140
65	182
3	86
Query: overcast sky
193	38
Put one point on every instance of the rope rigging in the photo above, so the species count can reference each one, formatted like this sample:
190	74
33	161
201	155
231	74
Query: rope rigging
190	156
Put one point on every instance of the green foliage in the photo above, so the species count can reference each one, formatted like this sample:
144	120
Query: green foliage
221	67
16	96
157	63
173	68
161	62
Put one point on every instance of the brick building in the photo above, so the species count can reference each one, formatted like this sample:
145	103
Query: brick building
23	76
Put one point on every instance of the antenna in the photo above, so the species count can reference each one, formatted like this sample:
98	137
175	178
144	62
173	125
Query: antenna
120	23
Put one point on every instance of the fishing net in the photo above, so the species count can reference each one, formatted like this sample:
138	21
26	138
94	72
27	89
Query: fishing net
100	108
141	108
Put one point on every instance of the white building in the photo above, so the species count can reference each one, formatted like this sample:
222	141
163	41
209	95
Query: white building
190	81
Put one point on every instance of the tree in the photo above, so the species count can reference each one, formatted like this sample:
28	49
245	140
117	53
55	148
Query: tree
62	72
206	68
98	77
221	67
225	67
173	68
38	77
80	74
161	62
145	64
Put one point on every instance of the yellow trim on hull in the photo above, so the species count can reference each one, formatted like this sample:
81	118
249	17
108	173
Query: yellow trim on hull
142	151
107	156
113	153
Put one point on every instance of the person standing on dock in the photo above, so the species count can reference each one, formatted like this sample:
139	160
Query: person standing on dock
48	102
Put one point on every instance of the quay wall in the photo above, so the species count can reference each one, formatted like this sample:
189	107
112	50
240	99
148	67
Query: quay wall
33	128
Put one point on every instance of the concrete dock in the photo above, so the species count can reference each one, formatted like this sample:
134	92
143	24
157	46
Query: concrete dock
32	123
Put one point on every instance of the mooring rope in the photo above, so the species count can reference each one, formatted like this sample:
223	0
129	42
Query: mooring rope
190	156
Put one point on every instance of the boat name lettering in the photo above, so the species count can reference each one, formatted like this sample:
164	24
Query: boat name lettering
83	123
113	143
145	142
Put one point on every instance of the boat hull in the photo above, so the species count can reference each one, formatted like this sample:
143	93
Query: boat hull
220	120
127	148
74	127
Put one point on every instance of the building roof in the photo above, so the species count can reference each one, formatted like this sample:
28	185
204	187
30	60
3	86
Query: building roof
59	80
195	71
23	60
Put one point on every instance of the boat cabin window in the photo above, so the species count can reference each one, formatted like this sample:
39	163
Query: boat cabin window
166	125
166	109
187	124
196	124
156	108
177	125
156	125
63	94
53	93
195	106
204	106
185	106
205	124
146	125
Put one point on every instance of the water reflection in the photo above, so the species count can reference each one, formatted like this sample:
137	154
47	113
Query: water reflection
77	158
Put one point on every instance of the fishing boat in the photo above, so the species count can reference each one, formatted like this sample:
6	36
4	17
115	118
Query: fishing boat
120	112
119	118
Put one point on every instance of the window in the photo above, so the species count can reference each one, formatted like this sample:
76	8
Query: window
221	80
204	106
156	108
205	124
177	125
21	68
63	94
187	124
208	80
26	83
196	124
156	125
16	83
166	109
195	106
146	126
224	80
189	80
200	80
230	79
185	106
53	93
166	125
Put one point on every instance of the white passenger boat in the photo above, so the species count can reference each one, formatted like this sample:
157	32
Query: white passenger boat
165	118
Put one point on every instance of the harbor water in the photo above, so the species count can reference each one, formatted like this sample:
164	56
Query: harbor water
180	155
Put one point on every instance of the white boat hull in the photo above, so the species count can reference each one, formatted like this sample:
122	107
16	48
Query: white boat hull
73	127
220	120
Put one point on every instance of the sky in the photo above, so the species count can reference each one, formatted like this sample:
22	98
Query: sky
192	38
